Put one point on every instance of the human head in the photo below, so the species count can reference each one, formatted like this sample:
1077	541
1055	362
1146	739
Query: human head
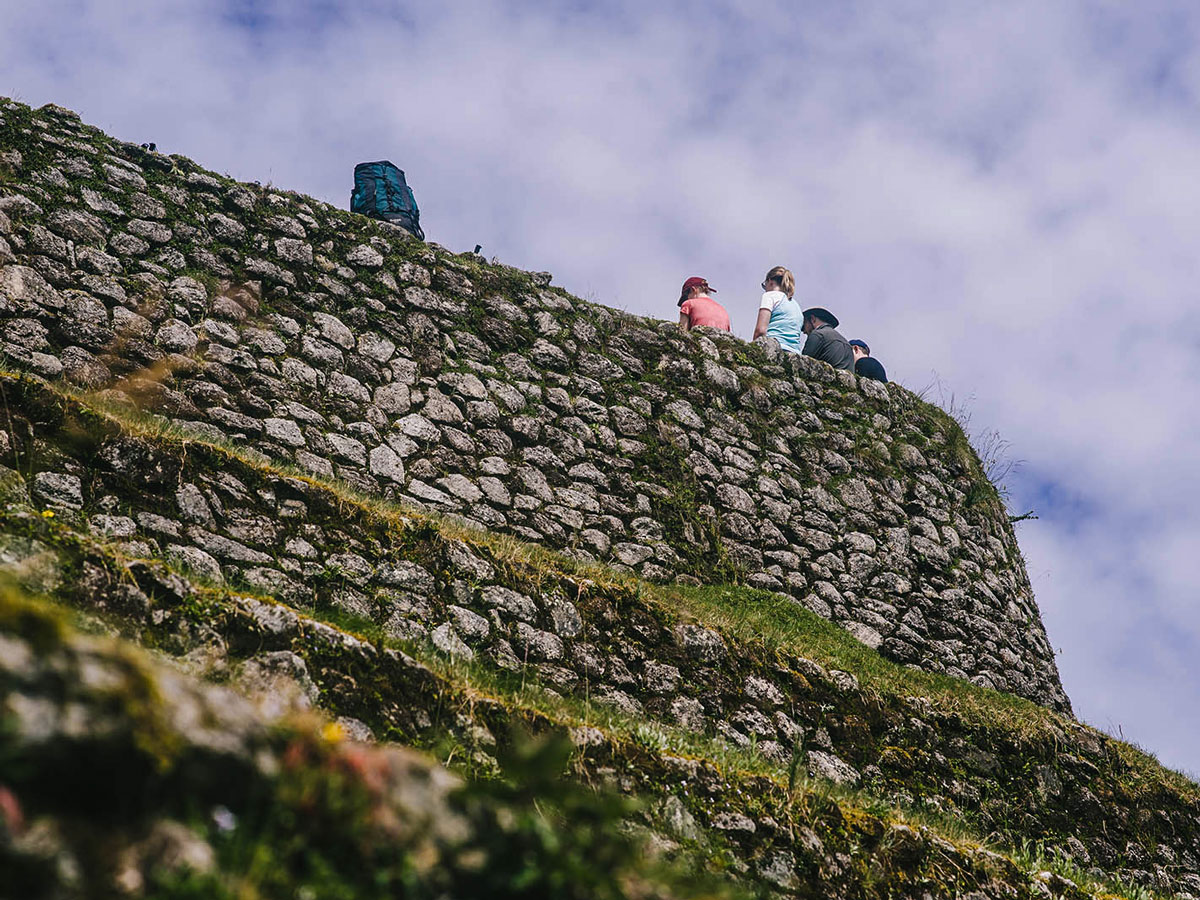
694	287
860	349
815	317
782	279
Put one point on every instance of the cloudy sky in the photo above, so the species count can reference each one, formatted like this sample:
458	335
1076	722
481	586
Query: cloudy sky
1003	198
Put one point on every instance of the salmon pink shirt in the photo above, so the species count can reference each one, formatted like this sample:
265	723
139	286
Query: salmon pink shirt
704	310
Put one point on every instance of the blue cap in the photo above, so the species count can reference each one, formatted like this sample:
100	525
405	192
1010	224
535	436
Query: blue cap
857	343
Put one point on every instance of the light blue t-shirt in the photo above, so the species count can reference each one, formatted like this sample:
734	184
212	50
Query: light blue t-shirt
787	320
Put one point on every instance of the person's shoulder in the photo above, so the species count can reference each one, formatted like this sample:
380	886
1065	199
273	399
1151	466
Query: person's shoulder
686	306
869	367
836	339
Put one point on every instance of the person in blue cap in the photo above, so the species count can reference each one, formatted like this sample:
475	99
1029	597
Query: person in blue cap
865	365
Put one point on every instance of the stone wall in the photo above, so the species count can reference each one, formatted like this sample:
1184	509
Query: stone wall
459	634
351	350
204	794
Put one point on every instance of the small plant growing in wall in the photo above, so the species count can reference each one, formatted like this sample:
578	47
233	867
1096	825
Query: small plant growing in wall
992	449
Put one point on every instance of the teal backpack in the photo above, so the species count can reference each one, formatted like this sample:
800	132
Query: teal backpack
381	192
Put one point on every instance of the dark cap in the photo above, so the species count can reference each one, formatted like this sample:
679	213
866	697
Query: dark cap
694	281
857	343
823	314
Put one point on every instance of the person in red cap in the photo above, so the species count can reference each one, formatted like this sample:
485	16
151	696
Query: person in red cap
696	307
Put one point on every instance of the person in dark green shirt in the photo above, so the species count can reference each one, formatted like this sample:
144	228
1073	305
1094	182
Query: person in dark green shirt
823	340
865	365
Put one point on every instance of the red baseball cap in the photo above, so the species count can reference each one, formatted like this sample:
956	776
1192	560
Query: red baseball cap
697	281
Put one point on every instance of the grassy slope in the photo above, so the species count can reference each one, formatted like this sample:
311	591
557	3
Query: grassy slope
747	617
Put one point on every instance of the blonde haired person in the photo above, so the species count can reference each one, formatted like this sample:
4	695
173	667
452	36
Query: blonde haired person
779	315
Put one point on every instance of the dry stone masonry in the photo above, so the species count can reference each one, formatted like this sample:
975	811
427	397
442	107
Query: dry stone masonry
425	596
331	364
350	350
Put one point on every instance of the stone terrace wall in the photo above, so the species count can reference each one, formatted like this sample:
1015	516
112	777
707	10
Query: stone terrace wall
352	350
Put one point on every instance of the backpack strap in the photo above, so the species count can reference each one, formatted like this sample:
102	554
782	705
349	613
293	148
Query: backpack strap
369	193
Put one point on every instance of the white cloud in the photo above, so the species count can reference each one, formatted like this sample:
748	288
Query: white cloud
1001	193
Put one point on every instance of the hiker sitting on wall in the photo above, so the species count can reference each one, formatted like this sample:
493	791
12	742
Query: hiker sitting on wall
697	308
865	365
779	315
824	342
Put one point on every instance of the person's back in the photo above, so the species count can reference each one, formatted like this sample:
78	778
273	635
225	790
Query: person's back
869	367
787	321
824	342
779	315
705	311
865	365
697	308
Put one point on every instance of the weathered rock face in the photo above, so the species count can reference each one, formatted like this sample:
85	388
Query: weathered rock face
301	544
347	348
126	778
110	512
315	362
